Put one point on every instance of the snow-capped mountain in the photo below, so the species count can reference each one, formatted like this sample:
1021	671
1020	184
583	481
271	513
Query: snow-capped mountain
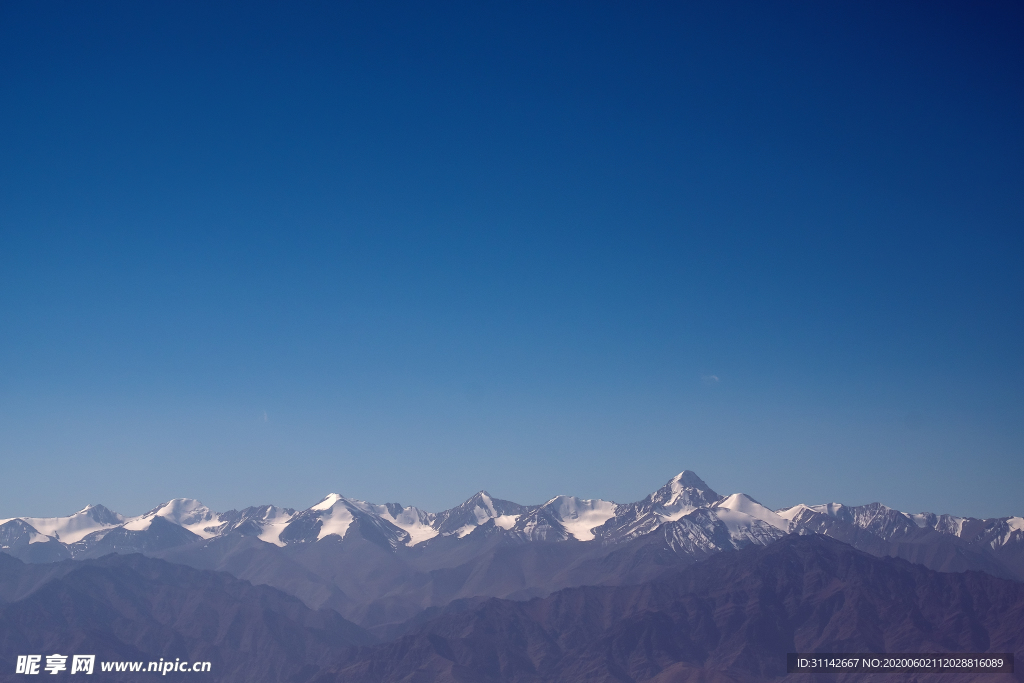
687	514
74	527
477	511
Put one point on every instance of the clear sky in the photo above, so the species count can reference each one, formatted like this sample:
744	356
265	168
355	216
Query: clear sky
258	252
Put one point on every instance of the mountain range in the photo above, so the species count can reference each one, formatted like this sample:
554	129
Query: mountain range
382	565
686	584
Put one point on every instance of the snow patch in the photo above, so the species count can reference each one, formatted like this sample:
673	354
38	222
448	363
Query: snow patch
411	520
1013	525
791	513
923	520
140	523
327	503
273	523
336	520
506	522
485	512
581	516
946	524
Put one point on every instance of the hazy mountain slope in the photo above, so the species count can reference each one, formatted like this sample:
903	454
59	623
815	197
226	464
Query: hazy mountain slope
136	608
733	617
882	531
20	539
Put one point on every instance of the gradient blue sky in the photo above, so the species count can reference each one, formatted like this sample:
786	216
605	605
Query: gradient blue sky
257	252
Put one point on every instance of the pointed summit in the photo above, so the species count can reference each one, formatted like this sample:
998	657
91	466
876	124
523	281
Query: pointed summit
328	502
683	494
478	510
101	515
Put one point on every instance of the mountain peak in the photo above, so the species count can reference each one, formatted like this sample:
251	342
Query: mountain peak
328	502
688	479
747	507
101	514
683	493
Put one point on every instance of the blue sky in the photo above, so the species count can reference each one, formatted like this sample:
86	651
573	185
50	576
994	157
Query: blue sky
256	252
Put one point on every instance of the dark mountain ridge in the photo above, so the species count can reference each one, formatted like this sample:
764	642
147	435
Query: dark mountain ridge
733	617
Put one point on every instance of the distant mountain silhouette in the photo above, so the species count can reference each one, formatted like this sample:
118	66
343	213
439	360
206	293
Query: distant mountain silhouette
129	607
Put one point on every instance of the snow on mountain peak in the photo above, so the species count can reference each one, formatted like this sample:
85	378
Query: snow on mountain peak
835	510
273	522
15	531
413	521
947	524
482	511
336	514
580	516
741	503
75	527
185	512
328	502
475	512
683	502
791	513
683	494
485	506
